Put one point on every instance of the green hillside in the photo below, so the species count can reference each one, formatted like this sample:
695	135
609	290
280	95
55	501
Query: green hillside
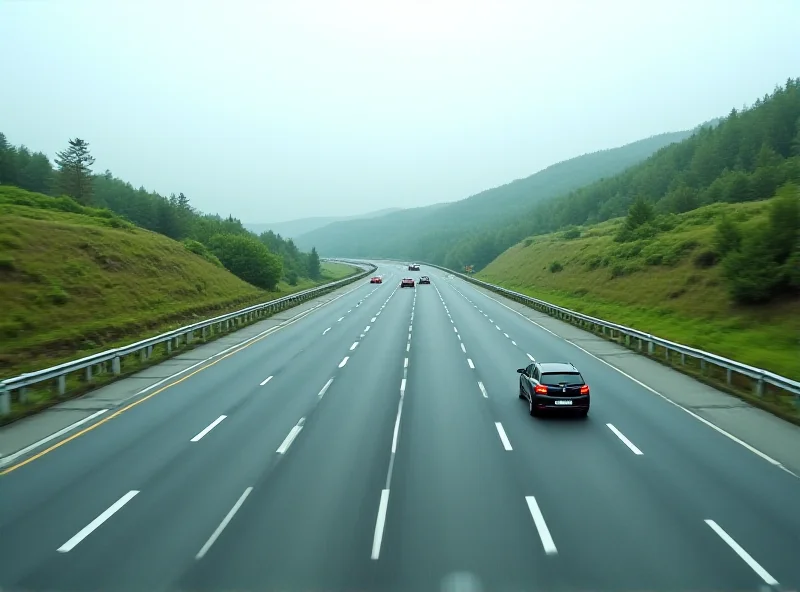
74	280
676	283
437	233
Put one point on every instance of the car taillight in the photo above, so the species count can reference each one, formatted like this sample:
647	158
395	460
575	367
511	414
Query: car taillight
540	389
585	389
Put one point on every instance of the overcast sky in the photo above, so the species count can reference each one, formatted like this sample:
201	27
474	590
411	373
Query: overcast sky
275	110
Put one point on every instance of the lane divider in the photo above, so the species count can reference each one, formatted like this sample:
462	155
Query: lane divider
95	524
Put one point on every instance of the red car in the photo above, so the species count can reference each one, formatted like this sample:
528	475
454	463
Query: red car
407	283
376	280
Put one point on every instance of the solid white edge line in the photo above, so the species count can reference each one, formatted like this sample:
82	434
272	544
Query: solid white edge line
208	428
94	524
215	535
744	555
287	441
325	388
355	345
265	381
503	436
463	349
344	361
11	457
483	390
471	365
625	441
380	523
541	526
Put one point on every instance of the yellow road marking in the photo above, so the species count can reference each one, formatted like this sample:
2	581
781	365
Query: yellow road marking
161	390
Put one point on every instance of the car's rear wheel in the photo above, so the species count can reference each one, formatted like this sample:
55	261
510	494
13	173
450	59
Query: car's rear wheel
522	393
583	413
532	408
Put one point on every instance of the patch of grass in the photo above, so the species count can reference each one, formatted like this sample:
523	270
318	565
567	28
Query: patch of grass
667	285
77	282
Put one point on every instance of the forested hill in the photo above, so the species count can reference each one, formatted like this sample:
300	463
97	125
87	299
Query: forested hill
433	233
746	157
273	257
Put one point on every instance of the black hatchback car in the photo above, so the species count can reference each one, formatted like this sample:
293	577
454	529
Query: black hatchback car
551	386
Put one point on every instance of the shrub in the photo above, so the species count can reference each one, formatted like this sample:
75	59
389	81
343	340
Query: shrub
248	258
7	262
707	258
728	236
571	234
527	242
292	277
200	249
555	267
57	295
752	274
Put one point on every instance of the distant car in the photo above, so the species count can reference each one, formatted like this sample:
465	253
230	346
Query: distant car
376	280
549	386
407	283
424	279
413	267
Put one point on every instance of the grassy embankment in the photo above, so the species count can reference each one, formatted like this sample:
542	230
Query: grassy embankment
669	286
76	282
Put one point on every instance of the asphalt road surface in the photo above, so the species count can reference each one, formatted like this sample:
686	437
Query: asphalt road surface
379	444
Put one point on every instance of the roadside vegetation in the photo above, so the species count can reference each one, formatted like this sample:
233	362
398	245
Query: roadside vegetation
723	278
75	280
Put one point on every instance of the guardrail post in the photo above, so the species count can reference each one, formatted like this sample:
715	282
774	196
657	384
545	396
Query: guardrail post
189	336
760	387
651	348
88	373
168	345
22	395
728	375
142	354
61	381
5	401
683	359
116	365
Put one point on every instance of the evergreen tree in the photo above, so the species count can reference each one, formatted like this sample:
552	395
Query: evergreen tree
75	173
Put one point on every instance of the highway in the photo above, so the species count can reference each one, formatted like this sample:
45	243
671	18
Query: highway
379	444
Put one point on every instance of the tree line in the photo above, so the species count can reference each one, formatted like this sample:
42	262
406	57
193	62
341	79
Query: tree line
262	260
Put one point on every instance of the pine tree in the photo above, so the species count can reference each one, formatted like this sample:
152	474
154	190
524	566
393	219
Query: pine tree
75	174
314	268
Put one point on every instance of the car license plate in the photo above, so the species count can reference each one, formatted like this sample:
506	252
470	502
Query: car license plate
566	402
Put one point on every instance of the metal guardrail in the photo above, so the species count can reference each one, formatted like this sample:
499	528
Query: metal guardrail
640	339
171	340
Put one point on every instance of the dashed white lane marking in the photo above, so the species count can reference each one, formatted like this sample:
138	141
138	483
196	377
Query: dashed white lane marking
223	524
291	436
513	342
744	555
541	526
532	359
373	319
409	328
408	347
94	524
471	365
397	426
452	321
367	328
355	345
503	437
405	363
459	336
454	329
483	390
402	387
326	330
625	441
325	388
340	319
409	336
349	311
265	381
344	361
210	427
498	328
506	335
379	524
463	349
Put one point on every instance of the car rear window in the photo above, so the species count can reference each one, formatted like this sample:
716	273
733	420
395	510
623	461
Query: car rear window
556	378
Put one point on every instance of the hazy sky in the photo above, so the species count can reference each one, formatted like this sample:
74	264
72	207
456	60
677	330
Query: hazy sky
274	110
